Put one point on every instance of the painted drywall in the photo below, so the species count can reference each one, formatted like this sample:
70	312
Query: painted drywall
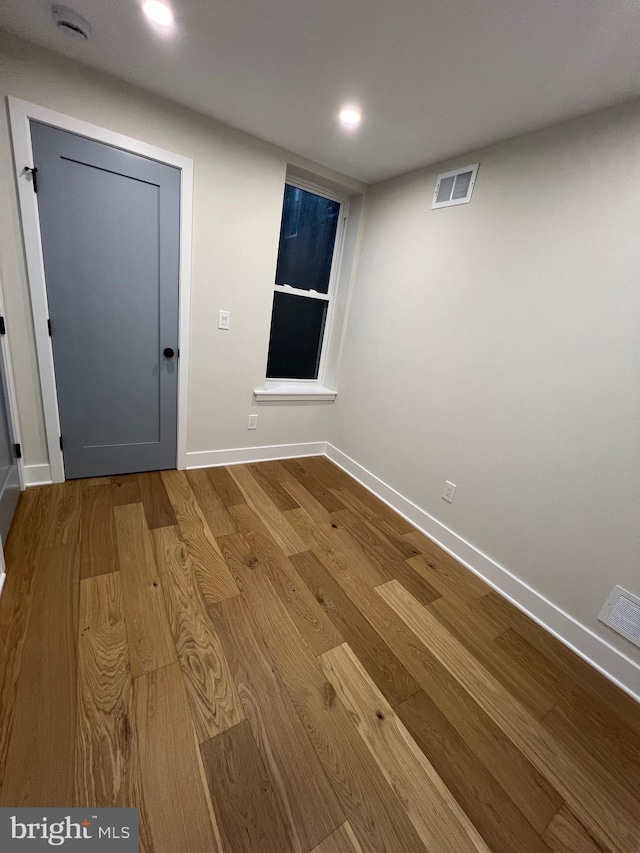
238	186
495	344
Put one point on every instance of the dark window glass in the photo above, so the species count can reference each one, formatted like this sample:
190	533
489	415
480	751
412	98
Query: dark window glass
297	325
307	237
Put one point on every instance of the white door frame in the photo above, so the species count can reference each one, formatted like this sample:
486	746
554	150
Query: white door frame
12	402
21	113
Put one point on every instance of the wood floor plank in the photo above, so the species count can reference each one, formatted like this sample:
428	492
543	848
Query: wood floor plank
379	822
307	803
378	518
335	548
175	800
107	772
603	693
437	817
99	549
150	642
309	617
309	504
40	757
466	624
275	521
63	526
501	824
225	486
215	704
157	506
534	796
212	506
386	557
566	834
246	807
342	840
448	576
268	480
213	575
126	489
312	486
606	809
377	658
15	604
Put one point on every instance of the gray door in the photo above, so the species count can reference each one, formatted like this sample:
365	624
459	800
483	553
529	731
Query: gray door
9	478
110	237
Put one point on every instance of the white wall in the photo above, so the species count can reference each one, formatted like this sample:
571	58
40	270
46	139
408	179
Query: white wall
237	206
496	345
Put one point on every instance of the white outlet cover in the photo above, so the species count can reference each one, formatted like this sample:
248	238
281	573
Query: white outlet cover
449	491
253	422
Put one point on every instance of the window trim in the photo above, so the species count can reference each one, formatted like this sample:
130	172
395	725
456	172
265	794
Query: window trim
299	389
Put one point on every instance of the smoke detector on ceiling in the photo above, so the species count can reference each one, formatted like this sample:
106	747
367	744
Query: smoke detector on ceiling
70	22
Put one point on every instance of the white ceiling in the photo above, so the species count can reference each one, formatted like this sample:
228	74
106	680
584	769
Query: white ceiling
433	77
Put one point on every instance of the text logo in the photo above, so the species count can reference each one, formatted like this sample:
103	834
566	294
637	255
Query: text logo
86	830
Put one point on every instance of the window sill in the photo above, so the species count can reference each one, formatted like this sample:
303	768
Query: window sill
295	394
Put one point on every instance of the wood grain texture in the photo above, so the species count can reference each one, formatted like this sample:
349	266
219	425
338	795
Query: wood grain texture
20	558
343	840
215	704
565	834
99	549
378	820
107	772
248	815
150	642
213	575
308	616
157	507
40	757
309	808
488	725
437	817
607	810
490	808
274	520
385	557
225	486
175	801
125	489
212	506
390	675
267	477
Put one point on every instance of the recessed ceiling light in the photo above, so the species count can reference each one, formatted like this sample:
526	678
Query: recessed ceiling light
158	12
350	116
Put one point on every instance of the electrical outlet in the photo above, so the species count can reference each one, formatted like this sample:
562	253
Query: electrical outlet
224	318
253	422
449	492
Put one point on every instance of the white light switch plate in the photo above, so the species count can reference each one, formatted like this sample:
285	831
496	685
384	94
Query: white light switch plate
224	318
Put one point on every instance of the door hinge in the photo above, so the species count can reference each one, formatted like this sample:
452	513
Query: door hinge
18	450
3	328
34	173
49	327
61	446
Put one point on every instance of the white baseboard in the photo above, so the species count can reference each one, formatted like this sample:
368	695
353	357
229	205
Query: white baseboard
242	455
37	475
608	660
3	576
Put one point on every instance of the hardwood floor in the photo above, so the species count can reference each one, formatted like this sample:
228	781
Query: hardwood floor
265	658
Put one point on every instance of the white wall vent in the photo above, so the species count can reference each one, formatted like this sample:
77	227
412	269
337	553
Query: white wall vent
622	613
455	187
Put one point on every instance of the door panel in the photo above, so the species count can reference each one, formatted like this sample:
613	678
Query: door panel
109	221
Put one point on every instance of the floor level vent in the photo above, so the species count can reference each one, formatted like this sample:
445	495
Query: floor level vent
622	613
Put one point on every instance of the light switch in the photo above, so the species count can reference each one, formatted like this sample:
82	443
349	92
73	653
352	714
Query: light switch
223	319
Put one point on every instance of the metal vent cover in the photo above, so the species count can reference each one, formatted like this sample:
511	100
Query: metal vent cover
455	187
622	613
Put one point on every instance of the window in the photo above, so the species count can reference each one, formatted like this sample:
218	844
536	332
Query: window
310	238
